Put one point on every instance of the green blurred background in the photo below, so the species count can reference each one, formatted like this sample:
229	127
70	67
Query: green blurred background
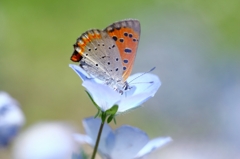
195	46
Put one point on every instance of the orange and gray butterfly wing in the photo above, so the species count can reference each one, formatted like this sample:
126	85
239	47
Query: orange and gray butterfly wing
126	35
98	55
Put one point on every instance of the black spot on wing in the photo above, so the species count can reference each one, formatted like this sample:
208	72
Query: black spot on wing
127	50
114	38
125	61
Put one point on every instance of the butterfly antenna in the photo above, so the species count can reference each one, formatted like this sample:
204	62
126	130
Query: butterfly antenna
143	74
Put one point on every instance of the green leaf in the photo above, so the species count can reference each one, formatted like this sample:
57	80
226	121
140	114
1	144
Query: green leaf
95	104
110	118
112	111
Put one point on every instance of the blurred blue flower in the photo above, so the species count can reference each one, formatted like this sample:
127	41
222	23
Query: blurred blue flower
48	140
11	119
126	142
142	87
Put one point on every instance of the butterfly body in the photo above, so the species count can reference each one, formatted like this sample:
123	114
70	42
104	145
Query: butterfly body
109	54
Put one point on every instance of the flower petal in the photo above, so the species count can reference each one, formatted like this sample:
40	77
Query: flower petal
127	142
80	72
144	83
91	126
45	141
10	112
103	95
83	74
82	139
153	145
132	102
11	119
143	88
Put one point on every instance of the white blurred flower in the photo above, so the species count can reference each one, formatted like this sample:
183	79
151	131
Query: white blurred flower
126	142
11	118
46	141
143	88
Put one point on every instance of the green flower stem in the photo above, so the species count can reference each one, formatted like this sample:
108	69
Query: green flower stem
97	141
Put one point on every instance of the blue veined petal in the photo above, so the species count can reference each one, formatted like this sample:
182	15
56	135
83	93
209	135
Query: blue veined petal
80	72
128	142
103	95
132	102
153	145
147	83
144	87
83	74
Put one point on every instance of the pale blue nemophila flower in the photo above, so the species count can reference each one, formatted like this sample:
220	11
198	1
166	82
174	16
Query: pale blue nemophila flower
46	140
142	87
125	142
11	119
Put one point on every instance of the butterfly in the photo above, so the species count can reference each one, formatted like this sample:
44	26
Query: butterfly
109	54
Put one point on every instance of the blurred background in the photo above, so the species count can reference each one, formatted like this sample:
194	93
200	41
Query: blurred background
195	46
